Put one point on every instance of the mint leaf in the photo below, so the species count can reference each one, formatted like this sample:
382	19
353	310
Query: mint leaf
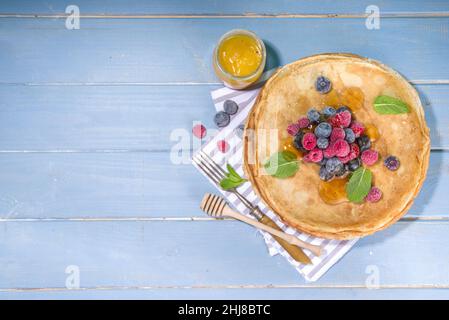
359	185
232	180
390	105
282	164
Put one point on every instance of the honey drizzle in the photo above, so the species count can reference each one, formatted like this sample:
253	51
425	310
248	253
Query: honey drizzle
334	191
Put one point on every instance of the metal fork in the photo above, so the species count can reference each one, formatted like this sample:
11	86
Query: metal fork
216	173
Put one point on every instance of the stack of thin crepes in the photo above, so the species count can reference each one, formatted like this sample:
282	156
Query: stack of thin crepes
289	94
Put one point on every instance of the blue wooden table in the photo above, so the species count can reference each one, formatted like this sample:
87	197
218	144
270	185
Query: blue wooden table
87	186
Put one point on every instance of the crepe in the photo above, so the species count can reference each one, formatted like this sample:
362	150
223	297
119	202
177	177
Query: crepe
288	95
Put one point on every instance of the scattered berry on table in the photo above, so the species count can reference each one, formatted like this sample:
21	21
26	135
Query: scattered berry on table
349	135
369	157
303	122
323	130
341	147
223	146
357	128
222	119
323	85
392	163
322	143
324	174
333	165
337	133
199	131
293	129
374	195
230	107
329	112
354	164
313	115
240	130
364	142
309	141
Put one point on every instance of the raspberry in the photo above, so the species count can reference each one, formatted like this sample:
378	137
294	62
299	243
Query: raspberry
309	141
342	119
303	123
199	131
374	195
354	151
341	148
223	146
293	129
316	155
345	159
357	128
337	133
329	152
369	157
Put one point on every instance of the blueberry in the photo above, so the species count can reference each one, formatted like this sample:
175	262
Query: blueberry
323	161
343	108
392	163
297	142
239	130
349	135
323	85
322	143
329	112
334	165
222	119
313	115
323	130
354	164
230	107
324	174
364	143
341	170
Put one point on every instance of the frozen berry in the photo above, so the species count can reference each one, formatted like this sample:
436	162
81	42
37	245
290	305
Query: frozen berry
369	157
313	115
329	112
240	130
293	129
392	163
222	119
354	164
364	143
343	108
303	122
341	148
324	174
315	155
323	85
223	146
342	119
322	143
309	141
199	131
357	128
349	135
337	133
333	165
323	130
374	195
230	107
297	141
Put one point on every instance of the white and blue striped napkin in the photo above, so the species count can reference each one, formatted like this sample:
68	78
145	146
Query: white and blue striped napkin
334	249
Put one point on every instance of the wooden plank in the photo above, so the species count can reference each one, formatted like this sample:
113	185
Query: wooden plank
139	118
133	7
212	254
139	186
229	294
180	50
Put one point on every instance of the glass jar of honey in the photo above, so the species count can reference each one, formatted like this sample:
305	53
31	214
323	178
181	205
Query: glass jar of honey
239	58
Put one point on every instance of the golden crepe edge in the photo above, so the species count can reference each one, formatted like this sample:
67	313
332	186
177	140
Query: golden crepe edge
348	233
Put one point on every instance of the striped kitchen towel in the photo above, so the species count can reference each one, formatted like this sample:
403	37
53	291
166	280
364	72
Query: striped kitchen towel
334	249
